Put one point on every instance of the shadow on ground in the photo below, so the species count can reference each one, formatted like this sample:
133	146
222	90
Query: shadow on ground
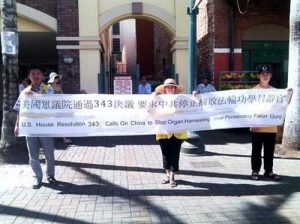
225	136
276	193
113	141
213	137
20	156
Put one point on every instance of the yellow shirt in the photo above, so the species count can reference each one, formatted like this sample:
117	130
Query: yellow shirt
42	89
272	129
179	135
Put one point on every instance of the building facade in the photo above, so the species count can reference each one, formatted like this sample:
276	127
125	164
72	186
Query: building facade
74	38
241	35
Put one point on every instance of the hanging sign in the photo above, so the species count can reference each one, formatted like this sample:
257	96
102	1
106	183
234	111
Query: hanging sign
9	42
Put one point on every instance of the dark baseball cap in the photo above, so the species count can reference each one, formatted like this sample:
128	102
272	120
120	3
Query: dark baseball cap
265	68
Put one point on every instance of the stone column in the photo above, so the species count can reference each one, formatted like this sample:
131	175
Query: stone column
180	59
89	43
180	42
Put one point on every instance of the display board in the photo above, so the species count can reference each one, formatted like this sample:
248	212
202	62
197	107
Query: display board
237	80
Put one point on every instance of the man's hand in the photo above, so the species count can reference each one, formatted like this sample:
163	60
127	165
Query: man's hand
28	92
16	131
290	94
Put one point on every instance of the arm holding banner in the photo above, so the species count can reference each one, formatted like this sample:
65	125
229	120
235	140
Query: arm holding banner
25	92
290	94
16	130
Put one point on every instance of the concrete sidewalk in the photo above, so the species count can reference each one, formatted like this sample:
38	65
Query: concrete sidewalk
117	180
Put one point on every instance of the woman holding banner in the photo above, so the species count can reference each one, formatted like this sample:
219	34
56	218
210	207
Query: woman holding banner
264	136
170	143
55	85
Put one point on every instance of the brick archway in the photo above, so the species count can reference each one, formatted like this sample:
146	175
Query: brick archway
150	12
169	14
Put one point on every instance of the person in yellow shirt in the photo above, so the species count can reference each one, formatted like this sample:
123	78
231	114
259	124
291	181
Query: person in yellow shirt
263	136
170	143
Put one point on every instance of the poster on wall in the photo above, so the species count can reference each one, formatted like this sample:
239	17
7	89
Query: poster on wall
122	85
9	41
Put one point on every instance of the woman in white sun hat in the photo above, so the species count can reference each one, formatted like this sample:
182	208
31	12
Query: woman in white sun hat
55	85
170	143
55	82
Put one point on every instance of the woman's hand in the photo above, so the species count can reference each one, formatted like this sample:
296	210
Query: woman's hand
154	94
195	93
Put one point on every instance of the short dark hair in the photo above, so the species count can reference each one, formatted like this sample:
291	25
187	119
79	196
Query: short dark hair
33	67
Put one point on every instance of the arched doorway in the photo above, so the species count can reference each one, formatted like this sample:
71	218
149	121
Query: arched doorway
166	15
140	47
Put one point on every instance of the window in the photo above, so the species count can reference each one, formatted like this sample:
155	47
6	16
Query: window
116	46
116	29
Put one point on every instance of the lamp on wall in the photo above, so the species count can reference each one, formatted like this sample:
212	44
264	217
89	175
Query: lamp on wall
68	59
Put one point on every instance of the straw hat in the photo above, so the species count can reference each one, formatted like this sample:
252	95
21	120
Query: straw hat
52	76
169	82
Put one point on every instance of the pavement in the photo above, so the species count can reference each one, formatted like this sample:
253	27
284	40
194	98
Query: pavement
118	180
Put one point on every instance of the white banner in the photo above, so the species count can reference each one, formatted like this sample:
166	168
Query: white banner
106	115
